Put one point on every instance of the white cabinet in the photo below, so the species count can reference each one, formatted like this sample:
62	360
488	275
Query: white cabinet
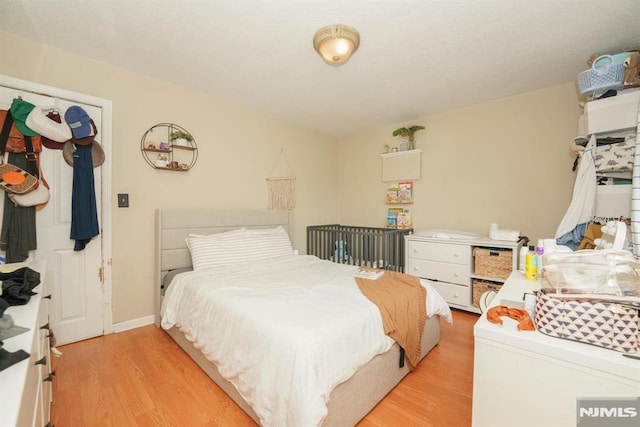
450	265
615	113
526	378
25	388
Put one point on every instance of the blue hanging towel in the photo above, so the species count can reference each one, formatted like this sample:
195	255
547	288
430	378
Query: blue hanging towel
84	213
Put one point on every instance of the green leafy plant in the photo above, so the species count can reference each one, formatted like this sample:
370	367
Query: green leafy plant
407	131
178	134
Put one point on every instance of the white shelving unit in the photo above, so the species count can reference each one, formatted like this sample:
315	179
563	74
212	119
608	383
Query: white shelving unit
449	264
402	165
614	116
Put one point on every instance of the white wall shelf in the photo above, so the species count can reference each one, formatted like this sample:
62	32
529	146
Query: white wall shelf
402	165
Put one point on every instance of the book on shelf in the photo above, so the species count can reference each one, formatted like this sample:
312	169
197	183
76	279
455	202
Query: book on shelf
392	217
405	192
403	220
392	195
368	273
395	211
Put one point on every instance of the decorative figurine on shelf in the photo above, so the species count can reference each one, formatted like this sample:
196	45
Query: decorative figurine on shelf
162	161
407	133
151	145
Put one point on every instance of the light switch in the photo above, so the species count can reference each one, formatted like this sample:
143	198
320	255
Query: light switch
123	200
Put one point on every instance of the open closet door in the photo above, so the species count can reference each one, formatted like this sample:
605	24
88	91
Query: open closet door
81	291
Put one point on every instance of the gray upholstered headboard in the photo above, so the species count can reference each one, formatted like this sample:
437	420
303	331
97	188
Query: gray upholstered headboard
175	224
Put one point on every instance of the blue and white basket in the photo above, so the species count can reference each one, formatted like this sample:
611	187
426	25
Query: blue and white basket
604	74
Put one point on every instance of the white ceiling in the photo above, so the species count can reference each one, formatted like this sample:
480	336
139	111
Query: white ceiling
416	57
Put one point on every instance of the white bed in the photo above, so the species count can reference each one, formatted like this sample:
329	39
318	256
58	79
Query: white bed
349	400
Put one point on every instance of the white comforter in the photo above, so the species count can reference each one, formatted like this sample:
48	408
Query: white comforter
285	331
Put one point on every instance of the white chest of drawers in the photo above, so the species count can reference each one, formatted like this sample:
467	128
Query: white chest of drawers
449	265
528	379
25	388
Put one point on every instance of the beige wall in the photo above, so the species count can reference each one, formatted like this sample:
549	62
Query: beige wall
505	162
237	150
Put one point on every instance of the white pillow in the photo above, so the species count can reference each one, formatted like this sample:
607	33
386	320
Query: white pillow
222	235
246	246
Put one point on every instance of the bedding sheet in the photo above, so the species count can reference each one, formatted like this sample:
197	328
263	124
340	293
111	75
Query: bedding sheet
284	331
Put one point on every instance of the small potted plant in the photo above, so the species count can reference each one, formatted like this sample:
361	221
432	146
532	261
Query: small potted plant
407	133
181	138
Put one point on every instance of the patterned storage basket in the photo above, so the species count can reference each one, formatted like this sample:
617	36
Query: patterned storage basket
604	74
601	323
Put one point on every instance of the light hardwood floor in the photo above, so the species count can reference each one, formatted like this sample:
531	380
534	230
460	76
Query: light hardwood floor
142	378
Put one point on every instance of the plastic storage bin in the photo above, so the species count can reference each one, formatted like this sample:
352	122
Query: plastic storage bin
604	74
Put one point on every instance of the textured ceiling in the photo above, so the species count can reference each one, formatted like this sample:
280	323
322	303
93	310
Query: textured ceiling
416	57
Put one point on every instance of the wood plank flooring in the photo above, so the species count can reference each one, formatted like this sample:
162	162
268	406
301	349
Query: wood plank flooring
142	378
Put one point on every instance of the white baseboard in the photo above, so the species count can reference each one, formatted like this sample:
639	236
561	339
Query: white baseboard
132	324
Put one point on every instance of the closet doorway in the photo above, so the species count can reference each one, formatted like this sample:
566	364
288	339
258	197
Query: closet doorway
79	281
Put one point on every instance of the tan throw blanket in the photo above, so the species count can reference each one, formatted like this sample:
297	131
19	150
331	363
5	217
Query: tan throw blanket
401	300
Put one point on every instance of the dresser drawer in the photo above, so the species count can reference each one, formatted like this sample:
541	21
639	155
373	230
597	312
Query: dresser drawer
441	271
453	294
444	252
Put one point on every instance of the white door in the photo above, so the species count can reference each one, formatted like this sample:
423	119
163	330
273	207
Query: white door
74	278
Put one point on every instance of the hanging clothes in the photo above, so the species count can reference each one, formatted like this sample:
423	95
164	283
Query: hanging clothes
583	199
18	234
84	213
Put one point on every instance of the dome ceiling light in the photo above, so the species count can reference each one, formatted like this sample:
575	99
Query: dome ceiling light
336	43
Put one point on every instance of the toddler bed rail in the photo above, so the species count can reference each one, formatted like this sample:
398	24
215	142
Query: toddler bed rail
370	246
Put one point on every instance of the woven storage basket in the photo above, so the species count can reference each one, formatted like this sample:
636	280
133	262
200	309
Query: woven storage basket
480	287
604	74
494	263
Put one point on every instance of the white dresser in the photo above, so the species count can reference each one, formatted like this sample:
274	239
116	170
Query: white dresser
450	266
25	388
526	378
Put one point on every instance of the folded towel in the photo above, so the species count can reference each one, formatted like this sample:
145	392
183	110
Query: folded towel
524	321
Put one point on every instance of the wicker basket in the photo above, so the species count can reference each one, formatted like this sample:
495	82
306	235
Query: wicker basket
480	287
495	263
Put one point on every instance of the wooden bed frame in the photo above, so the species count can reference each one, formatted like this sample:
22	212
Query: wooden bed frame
350	401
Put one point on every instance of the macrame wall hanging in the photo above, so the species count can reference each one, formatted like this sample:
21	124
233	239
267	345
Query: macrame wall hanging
282	187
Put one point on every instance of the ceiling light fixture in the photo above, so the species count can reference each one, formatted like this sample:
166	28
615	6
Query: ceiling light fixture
336	43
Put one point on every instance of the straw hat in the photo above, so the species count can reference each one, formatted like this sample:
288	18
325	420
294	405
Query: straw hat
97	153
